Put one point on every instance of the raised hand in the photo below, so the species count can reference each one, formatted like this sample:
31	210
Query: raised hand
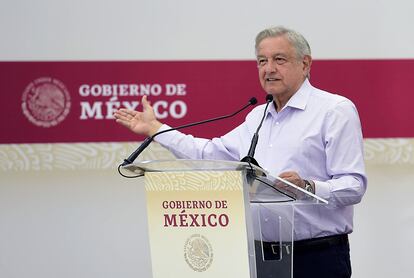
143	123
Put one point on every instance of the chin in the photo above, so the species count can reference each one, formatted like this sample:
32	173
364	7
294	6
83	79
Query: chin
273	91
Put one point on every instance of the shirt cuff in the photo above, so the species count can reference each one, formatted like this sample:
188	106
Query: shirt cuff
322	189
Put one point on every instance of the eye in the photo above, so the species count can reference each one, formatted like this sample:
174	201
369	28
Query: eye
261	61
280	60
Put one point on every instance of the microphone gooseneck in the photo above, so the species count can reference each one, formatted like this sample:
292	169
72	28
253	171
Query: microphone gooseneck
149	139
250	154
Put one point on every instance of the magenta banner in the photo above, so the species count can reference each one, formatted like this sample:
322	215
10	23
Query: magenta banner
47	102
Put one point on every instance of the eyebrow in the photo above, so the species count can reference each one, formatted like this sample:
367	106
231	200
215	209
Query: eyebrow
273	55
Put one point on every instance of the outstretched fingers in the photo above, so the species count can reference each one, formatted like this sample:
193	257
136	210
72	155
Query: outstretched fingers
144	122
125	116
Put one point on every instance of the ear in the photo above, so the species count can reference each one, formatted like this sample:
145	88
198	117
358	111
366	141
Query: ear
307	62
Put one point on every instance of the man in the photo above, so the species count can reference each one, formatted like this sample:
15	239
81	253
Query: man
309	137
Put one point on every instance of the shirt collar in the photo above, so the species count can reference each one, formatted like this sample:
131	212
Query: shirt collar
299	99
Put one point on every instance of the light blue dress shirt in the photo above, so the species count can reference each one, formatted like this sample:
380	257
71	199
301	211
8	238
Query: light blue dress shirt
317	134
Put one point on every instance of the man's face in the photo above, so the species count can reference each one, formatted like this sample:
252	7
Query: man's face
281	73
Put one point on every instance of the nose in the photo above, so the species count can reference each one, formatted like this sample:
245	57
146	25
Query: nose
270	66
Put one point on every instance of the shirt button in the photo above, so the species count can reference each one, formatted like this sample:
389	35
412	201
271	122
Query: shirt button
271	146
277	123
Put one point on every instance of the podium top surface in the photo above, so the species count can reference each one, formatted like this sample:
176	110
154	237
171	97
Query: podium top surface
263	188
189	165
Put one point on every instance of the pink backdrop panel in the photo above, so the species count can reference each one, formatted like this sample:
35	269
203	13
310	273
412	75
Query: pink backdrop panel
47	102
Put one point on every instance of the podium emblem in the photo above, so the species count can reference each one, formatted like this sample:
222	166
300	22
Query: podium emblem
198	253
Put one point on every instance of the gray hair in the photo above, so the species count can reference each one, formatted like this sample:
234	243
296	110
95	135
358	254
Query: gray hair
296	39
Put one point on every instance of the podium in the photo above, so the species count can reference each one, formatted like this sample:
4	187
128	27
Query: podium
209	218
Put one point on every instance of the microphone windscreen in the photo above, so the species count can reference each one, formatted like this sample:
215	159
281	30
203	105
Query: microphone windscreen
253	101
269	98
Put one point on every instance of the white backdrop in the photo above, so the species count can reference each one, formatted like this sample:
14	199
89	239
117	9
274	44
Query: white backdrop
91	223
186	29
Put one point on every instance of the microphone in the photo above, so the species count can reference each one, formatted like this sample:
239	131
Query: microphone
250	155
149	139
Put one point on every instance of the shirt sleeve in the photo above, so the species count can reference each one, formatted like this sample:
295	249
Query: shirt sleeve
344	157
190	147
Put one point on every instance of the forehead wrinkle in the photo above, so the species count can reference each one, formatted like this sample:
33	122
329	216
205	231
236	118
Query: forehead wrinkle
273	55
280	43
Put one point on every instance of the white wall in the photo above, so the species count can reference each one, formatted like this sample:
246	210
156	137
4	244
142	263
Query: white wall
188	29
382	241
72	224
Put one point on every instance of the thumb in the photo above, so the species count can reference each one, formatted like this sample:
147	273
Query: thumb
145	103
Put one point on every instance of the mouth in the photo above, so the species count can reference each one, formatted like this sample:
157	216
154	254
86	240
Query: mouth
271	79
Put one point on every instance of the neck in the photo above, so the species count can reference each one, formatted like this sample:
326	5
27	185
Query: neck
281	99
